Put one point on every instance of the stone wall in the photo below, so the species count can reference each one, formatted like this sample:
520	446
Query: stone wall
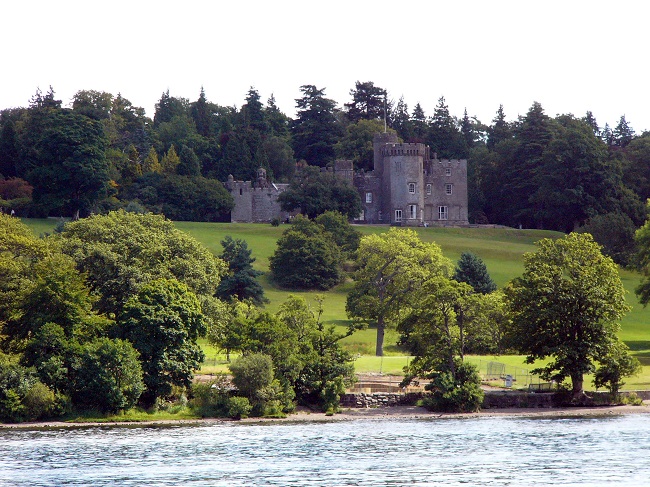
492	399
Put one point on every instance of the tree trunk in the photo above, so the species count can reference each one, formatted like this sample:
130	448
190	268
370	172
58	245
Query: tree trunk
576	383
381	327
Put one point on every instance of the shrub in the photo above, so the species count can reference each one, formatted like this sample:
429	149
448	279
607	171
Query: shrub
455	392
239	407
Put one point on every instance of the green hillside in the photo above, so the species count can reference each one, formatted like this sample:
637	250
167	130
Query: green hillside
500	248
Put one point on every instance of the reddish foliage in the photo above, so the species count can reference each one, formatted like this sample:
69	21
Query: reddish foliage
13	188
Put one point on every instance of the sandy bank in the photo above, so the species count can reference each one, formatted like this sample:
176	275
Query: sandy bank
402	412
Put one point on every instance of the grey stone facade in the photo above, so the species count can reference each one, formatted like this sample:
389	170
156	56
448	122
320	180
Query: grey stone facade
409	187
256	201
406	187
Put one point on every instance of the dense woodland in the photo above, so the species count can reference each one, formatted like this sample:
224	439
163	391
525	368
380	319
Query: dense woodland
103	153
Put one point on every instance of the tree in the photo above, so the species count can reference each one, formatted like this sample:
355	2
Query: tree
189	164
66	161
9	150
120	252
566	306
315	130
357	144
107	376
622	133
170	161
471	270
389	267
163	322
306	257
339	228
444	137
314	192
368	102
182	197
500	129
151	163
240	282
401	121
615	233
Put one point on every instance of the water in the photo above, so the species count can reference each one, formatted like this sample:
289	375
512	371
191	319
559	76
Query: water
388	452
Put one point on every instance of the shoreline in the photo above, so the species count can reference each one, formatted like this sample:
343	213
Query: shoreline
352	414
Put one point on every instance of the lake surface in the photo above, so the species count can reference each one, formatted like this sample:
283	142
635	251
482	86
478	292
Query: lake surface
487	451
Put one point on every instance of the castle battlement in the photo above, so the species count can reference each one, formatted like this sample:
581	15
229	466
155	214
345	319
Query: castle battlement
404	150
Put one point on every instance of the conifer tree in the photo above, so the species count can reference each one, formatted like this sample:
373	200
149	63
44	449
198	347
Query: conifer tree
170	161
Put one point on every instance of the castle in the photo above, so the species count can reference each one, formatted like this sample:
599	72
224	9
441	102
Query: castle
406	187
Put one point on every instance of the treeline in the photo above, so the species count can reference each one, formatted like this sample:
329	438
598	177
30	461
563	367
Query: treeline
103	153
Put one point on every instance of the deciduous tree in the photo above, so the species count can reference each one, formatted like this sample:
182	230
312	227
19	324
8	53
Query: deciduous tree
566	307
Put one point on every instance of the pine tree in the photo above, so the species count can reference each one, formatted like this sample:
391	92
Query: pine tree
471	270
240	283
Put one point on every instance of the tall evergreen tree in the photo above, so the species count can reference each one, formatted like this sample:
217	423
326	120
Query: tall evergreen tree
500	129
368	102
240	282
471	270
419	124
401	121
623	133
316	129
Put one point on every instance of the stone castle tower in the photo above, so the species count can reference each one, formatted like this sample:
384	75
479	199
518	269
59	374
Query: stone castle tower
409	187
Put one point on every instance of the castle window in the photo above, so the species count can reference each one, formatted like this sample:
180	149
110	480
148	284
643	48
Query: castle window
379	216
443	213
240	191
429	188
447	171
368	197
413	212
398	215
448	188
412	188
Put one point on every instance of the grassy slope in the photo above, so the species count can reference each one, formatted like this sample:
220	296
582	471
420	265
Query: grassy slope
500	249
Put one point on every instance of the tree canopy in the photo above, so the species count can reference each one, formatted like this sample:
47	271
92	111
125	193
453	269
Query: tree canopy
566	307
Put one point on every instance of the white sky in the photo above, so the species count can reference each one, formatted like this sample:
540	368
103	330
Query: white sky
571	55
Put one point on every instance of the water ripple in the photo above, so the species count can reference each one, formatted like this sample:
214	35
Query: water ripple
391	452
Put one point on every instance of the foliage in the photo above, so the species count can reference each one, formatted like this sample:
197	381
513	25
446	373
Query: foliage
615	233
390	266
314	192
120	252
180	197
22	396
642	238
339	228
357	144
471	270
163	322
459	391
566	306
239	407
240	282
66	163
107	376
252	375
315	130
306	257
614	367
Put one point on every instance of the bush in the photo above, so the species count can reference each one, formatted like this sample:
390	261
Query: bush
239	407
251	374
455	392
40	402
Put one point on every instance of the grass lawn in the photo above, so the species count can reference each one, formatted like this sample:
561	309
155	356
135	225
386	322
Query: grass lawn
501	250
